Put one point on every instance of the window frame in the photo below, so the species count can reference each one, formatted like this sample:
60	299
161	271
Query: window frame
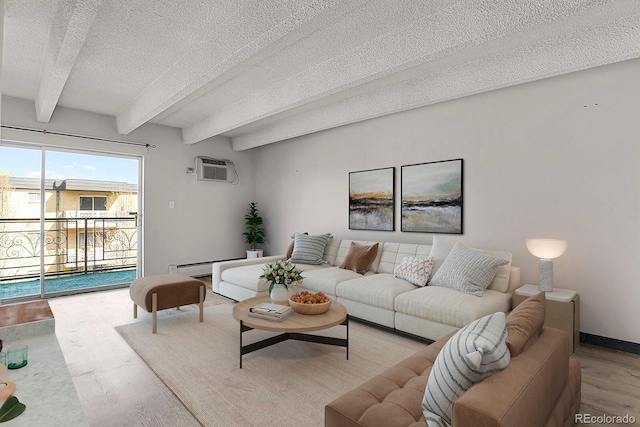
93	203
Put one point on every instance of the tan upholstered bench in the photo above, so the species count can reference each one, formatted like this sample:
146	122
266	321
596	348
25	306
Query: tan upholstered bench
164	291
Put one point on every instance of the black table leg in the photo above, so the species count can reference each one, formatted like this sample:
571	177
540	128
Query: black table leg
249	348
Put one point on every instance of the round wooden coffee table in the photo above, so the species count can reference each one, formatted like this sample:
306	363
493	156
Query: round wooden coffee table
292	328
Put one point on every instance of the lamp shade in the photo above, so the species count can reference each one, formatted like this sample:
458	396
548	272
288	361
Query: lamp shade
546	248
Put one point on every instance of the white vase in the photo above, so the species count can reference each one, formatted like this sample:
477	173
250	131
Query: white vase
279	294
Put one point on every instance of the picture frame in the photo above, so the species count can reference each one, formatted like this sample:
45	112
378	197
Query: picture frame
432	197
372	199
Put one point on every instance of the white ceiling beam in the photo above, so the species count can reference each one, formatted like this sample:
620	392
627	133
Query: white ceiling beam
218	140
548	58
466	26
69	30
211	61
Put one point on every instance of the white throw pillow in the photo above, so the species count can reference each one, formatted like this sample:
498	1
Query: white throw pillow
474	353
309	249
467	271
414	270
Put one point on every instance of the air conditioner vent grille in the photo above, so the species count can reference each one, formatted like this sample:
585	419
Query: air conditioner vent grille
218	174
213	162
208	169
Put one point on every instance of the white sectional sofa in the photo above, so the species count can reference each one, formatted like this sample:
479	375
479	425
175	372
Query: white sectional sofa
378	296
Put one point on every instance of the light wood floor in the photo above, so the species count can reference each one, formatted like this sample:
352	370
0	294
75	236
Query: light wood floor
117	388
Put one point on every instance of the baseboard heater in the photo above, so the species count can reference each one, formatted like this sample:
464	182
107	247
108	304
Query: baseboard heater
196	269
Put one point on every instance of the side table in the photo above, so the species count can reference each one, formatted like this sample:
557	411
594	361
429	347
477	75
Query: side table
562	310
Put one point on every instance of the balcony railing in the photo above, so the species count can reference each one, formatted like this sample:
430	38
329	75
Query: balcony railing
71	246
87	214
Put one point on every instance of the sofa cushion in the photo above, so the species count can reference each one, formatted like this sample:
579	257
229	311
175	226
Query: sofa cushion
467	270
331	251
359	258
309	267
524	323
309	249
326	279
450	307
393	254
475	352
377	290
414	270
247	277
392	398
439	252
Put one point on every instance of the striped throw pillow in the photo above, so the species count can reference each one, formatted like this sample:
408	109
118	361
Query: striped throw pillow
474	353
467	271
309	249
414	270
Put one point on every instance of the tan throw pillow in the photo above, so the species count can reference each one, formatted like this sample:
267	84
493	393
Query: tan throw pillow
414	270
291	245
524	324
360	258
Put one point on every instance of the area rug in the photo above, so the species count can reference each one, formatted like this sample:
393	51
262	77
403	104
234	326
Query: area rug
287	384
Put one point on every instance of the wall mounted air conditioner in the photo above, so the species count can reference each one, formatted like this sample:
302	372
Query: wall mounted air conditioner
208	169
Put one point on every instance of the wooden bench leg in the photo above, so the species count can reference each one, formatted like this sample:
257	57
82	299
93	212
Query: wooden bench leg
201	304
154	311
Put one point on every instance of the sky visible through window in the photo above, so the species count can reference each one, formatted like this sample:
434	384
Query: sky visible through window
63	165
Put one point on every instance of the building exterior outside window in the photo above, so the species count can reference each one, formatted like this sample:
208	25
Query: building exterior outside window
93	203
85	220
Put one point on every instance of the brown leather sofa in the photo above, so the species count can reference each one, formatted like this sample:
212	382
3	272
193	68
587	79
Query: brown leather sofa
541	388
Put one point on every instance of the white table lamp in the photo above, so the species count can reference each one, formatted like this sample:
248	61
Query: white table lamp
546	250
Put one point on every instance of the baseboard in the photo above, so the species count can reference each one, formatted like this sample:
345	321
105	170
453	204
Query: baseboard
612	343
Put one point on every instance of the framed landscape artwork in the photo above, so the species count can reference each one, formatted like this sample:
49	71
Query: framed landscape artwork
432	197
372	199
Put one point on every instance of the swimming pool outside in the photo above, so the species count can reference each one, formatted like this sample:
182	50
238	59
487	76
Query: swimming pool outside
65	284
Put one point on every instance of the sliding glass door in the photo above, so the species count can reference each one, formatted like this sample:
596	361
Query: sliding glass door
20	225
68	221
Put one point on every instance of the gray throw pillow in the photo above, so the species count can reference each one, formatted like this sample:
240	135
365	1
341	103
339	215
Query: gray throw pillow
309	249
467	271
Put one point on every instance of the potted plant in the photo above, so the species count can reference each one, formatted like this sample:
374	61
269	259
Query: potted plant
253	231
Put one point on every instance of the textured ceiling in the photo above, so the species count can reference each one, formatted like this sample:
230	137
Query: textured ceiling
260	71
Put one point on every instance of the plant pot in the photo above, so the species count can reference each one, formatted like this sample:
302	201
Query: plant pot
258	253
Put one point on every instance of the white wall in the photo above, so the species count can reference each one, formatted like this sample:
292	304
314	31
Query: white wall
207	221
554	158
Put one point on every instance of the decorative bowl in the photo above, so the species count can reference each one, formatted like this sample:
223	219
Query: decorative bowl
310	308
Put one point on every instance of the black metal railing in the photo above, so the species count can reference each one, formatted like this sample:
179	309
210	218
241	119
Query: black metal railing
71	246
